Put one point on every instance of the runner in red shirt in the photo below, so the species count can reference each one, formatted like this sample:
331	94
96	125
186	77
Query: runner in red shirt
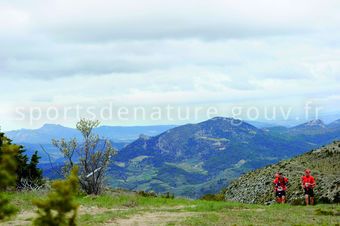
275	188
281	185
307	185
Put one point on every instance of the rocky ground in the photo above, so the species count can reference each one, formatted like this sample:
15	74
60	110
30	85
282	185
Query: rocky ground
324	164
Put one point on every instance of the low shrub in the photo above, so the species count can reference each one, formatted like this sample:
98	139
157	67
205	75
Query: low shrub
213	197
168	195
298	202
59	208
147	194
8	168
320	211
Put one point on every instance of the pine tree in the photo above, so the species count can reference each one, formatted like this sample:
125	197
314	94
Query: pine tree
21	164
28	173
8	165
33	171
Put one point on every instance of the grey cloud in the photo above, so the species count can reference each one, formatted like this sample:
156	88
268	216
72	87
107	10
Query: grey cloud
150	31
112	37
102	21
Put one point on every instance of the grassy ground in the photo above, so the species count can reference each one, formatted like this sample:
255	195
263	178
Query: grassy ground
131	209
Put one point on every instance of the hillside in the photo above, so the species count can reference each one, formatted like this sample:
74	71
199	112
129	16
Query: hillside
256	186
195	159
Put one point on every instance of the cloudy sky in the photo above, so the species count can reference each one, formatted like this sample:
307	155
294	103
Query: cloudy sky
59	54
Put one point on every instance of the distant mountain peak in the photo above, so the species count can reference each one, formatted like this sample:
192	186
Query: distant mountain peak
144	137
335	123
313	124
49	125
219	118
225	119
316	122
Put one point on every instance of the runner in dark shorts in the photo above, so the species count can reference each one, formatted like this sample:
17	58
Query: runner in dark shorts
280	183
309	192
279	194
307	185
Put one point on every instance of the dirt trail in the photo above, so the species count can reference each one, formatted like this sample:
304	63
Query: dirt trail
23	218
160	216
152	218
144	216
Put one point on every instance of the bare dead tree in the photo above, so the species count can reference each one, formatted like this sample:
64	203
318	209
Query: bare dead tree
28	184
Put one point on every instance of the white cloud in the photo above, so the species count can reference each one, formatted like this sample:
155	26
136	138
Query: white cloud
152	19
158	52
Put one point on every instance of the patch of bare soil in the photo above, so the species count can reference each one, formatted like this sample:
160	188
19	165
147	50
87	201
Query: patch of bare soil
23	218
152	218
96	210
246	209
159	217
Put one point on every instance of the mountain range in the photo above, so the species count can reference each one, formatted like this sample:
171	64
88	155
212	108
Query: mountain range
189	160
195	159
33	139
47	132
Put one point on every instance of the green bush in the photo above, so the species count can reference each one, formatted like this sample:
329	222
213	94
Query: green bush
147	194
143	193
169	196
320	211
298	202
59	208
324	199
213	197
8	167
153	194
